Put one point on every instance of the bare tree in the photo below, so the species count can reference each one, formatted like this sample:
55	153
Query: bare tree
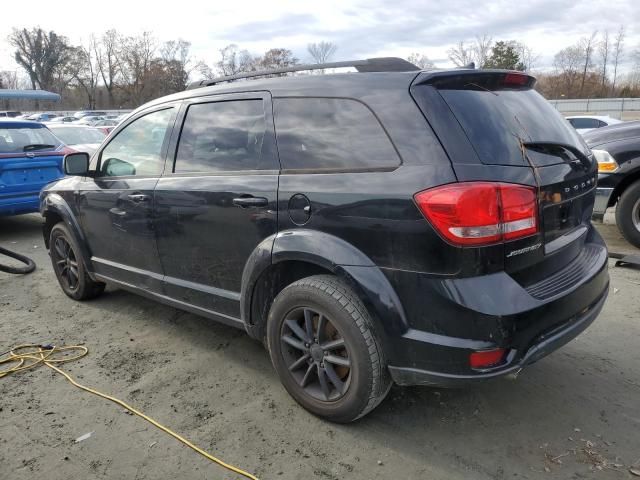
528	57
322	52
421	61
107	55
567	65
604	50
136	55
234	60
587	45
276	58
618	45
85	70
174	54
482	50
461	55
43	55
9	79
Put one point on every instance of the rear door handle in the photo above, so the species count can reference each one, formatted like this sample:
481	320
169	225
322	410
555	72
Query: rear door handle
138	197
250	202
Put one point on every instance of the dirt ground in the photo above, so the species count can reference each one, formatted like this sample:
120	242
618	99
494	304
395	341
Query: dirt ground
573	415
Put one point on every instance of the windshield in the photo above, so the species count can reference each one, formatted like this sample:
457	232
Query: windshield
78	135
19	140
498	121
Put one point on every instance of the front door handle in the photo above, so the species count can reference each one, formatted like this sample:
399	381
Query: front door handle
138	197
250	202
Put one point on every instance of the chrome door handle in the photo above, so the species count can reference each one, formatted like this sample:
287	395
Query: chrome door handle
138	197
249	202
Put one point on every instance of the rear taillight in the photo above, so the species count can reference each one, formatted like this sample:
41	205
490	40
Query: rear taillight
480	213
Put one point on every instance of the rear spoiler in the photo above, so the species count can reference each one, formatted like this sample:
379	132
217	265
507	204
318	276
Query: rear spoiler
483	79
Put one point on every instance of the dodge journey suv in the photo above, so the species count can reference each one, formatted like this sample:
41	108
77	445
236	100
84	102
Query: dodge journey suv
390	225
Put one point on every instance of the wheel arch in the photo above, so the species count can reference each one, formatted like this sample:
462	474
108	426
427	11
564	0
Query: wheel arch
55	209
291	255
629	179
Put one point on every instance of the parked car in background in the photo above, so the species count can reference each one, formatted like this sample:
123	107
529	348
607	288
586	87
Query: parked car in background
586	123
87	113
106	125
89	120
30	157
65	119
419	227
41	117
81	138
617	150
10	114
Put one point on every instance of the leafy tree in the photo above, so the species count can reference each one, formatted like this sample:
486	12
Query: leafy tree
504	55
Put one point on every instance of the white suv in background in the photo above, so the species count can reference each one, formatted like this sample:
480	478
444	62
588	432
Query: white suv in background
584	123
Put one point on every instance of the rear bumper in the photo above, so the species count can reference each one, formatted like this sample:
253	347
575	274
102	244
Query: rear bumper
456	317
546	344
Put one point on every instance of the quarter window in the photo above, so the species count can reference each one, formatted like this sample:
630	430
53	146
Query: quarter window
330	133
222	136
138	148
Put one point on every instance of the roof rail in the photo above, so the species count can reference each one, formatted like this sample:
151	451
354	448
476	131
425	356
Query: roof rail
381	64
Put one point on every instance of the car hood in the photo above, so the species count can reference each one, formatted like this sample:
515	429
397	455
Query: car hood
85	147
612	133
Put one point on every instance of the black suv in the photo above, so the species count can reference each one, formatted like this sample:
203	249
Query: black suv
617	150
420	227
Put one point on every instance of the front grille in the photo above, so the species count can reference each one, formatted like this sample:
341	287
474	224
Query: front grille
567	276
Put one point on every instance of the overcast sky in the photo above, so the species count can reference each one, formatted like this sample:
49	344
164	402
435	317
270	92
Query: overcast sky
361	29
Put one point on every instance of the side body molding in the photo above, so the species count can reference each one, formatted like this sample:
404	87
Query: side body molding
333	254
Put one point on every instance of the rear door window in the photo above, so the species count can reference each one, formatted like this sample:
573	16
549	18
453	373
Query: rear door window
498	121
222	136
331	134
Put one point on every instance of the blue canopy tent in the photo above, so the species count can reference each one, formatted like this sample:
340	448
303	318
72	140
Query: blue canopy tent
6	94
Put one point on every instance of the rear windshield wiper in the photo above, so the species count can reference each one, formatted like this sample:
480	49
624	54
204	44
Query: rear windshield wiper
37	146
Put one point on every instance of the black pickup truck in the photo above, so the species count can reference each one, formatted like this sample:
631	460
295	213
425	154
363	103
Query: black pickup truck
617	150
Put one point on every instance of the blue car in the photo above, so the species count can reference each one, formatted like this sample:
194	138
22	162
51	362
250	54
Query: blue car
30	157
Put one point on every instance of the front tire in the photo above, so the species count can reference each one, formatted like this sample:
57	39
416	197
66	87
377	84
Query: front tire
69	266
323	346
628	214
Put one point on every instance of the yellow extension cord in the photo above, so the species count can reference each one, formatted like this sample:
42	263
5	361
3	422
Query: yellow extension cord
35	355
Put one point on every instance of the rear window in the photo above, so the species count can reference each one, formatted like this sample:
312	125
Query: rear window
498	121
330	134
20	140
585	122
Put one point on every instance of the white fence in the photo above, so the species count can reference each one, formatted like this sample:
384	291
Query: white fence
621	108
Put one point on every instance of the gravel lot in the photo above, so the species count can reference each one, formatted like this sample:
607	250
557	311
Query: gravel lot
573	415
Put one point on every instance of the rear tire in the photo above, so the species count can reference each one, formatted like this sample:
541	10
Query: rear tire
628	214
69	266
323	346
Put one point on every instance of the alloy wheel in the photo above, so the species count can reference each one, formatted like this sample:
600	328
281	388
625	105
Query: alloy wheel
66	263
315	353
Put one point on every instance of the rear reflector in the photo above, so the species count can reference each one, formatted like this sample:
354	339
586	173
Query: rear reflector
480	213
486	358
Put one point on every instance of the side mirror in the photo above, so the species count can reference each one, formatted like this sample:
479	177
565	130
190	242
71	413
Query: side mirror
76	164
